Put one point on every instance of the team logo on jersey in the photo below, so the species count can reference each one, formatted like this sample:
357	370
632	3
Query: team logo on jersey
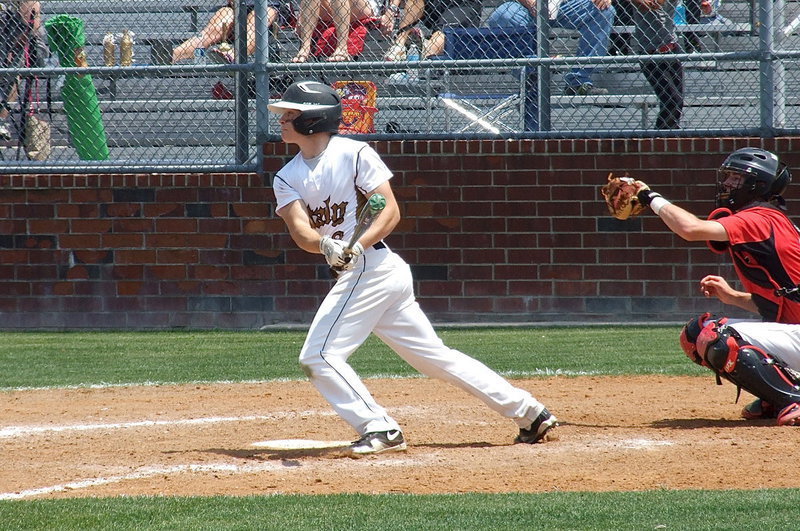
327	214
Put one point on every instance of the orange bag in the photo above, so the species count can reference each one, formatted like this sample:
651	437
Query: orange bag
358	106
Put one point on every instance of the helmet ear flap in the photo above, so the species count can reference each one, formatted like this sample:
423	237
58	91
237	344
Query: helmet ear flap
782	179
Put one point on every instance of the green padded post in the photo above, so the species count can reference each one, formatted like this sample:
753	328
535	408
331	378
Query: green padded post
67	38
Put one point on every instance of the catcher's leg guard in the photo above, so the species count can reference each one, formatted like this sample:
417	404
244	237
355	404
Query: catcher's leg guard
748	366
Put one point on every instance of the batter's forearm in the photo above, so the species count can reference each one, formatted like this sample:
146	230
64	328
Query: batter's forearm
299	225
306	240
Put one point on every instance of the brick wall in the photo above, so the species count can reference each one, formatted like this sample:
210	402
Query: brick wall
497	231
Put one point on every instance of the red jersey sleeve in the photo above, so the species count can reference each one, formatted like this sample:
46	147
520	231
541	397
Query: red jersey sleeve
751	225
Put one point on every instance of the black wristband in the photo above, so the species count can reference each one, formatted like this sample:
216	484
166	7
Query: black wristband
646	196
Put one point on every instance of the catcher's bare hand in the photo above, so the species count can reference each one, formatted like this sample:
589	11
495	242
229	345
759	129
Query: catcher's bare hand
621	196
718	287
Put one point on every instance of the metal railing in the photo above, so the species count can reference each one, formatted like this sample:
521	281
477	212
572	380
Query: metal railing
160	115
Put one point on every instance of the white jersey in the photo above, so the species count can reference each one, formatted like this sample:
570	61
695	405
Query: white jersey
332	186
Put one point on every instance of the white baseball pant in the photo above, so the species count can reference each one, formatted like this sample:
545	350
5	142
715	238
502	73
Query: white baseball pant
377	296
779	339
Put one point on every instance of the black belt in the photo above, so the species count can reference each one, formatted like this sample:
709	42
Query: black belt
380	245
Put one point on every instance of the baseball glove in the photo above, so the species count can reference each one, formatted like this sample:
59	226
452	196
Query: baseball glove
620	195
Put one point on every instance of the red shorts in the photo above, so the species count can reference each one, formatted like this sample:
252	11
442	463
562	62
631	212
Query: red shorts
325	37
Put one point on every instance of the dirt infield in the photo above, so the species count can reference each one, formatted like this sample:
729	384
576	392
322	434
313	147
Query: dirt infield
617	433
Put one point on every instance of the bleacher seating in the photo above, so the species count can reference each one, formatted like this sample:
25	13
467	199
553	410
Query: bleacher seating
160	110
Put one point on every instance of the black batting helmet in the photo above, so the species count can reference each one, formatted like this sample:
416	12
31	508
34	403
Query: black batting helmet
763	177
320	107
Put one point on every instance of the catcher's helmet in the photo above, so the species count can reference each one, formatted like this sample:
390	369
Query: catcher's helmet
320	107
763	177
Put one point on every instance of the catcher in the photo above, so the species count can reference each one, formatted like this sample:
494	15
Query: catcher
750	224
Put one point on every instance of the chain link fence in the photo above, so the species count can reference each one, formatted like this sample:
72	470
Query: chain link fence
141	85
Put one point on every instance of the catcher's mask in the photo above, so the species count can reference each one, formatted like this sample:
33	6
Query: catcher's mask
749	174
320	107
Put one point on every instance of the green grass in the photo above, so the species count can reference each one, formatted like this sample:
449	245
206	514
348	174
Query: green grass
669	510
33	359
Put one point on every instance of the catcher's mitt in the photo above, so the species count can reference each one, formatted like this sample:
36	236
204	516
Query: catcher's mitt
620	195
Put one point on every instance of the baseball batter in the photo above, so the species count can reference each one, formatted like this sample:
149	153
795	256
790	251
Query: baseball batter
319	193
750	224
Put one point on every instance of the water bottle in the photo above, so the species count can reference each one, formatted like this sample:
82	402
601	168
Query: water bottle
413	53
109	50
411	56
126	48
199	56
680	14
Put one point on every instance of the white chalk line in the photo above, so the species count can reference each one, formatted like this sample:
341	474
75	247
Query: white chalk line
9	432
150	471
411	376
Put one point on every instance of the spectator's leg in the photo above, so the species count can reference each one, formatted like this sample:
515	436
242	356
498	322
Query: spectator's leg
272	17
467	14
8	93
434	45
693	14
620	43
339	12
217	29
307	20
510	15
594	25
412	13
672	117
666	78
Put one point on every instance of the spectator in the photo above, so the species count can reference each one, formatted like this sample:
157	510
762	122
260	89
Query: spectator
592	18
434	15
23	43
654	33
220	29
338	26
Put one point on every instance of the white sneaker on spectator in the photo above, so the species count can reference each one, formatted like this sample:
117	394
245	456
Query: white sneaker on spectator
5	134
409	78
396	53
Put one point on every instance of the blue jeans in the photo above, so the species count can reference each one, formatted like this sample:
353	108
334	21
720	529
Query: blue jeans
593	24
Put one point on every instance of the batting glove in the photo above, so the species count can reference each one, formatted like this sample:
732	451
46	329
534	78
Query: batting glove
333	251
353	257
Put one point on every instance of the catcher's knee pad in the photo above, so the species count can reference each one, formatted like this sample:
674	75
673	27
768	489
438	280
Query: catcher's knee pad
717	346
691	333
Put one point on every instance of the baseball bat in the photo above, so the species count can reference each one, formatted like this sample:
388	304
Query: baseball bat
369	213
